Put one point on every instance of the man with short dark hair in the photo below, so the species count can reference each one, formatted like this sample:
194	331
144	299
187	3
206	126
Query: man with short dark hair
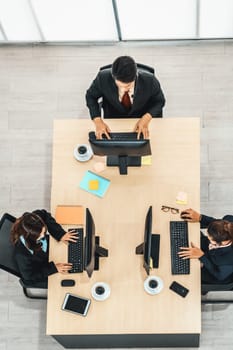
127	92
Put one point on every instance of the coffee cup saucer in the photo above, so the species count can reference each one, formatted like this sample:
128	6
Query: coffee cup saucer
104	295
83	157
153	290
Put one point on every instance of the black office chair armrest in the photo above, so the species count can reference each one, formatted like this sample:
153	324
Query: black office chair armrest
27	287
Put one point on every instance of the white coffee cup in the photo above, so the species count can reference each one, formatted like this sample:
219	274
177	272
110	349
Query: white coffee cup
153	285
83	152
100	291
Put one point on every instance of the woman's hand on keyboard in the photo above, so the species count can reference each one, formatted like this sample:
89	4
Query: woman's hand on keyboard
63	267
70	236
192	252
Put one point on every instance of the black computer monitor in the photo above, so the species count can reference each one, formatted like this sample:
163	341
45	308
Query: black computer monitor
92	248
121	153
150	246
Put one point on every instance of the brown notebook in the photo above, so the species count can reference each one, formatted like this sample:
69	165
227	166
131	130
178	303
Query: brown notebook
70	214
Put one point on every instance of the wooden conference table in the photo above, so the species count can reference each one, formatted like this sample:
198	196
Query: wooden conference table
129	317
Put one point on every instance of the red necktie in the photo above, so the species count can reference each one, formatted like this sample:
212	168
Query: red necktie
126	100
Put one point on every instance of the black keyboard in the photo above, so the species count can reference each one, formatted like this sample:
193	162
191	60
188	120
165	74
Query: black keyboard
179	238
117	136
75	252
124	136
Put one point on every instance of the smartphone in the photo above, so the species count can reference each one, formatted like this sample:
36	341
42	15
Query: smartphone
179	289
76	304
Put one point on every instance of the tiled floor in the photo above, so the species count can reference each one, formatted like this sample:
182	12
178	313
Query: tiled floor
42	83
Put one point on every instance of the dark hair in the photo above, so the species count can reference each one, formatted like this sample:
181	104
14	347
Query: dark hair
221	230
124	69
29	225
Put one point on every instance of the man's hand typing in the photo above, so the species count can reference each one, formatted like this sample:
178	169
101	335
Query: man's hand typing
141	126
101	128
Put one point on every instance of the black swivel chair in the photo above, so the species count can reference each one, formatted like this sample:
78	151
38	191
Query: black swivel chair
7	262
205	288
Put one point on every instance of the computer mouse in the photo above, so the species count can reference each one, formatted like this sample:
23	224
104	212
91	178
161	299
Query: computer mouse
185	216
67	283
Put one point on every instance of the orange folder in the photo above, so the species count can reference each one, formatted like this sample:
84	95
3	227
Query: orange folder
70	214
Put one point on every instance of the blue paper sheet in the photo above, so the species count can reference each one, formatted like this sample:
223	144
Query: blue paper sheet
103	183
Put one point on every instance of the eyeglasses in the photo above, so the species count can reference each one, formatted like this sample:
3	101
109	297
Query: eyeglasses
173	210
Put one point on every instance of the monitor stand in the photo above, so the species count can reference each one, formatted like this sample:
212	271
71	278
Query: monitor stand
155	243
99	252
123	162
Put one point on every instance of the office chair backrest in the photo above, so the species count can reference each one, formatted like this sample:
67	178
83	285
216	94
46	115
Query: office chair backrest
140	66
214	287
7	261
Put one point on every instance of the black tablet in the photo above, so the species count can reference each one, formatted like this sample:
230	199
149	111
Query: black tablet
76	304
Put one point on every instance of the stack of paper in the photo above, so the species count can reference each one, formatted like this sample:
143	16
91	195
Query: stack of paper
70	214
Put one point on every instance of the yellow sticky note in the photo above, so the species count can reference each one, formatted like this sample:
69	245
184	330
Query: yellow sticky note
93	185
181	198
146	160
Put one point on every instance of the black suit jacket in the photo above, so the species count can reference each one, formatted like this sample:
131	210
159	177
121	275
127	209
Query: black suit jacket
35	268
217	263
148	97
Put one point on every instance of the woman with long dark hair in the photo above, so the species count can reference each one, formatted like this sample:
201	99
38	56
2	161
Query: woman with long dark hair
31	240
216	252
